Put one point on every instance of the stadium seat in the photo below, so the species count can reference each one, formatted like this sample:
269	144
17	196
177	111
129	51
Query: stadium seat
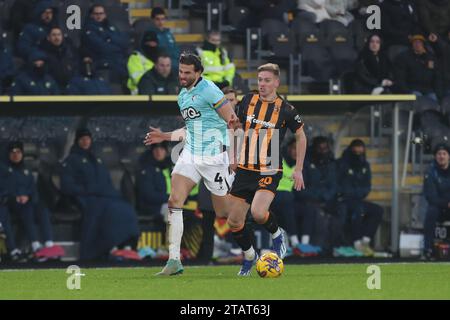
424	103
445	107
281	46
119	17
360	33
276	36
236	16
316	60
340	42
5	10
433	125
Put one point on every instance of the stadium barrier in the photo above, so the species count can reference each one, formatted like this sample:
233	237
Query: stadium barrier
166	105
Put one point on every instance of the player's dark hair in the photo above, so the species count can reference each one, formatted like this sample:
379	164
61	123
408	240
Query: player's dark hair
156	12
192	59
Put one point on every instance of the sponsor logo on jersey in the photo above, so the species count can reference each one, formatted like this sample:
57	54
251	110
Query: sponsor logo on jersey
190	113
265	124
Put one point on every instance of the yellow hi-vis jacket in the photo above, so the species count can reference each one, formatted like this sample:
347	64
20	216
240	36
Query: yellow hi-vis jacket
214	69
138	64
286	182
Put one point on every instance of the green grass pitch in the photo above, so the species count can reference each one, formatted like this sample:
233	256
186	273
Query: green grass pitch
322	281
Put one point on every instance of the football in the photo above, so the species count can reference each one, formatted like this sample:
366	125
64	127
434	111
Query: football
269	265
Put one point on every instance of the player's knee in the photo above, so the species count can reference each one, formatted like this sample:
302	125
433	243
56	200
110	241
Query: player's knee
258	214
235	224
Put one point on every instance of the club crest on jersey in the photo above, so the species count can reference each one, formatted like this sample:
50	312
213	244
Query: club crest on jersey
190	113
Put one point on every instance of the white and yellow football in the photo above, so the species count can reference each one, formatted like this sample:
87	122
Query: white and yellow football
269	265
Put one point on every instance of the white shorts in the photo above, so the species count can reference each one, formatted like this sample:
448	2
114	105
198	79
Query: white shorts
213	169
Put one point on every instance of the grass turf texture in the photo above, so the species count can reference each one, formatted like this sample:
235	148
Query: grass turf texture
329	281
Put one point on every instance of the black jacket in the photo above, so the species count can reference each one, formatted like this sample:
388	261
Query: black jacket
153	83
399	19
371	70
415	73
354	177
62	61
437	186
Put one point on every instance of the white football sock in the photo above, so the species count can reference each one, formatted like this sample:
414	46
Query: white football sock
175	222
249	254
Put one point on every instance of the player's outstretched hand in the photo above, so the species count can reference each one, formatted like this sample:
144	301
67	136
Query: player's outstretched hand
155	135
299	184
234	123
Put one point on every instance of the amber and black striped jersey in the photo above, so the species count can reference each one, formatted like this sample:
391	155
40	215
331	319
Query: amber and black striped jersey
264	125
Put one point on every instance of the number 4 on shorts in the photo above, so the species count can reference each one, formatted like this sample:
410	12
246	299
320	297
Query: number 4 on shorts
218	178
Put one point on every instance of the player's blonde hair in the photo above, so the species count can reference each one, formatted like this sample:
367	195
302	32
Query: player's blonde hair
270	67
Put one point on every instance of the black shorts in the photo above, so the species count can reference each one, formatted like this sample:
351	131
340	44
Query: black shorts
247	183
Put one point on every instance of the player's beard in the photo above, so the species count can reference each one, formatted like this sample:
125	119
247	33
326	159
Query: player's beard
189	83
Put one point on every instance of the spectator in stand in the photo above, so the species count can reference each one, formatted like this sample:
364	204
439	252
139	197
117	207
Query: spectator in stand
151	181
35	32
373	70
435	16
231	96
399	20
317	7
15	254
142	60
106	44
34	79
24	202
160	79
441	46
437	192
216	62
165	37
87	82
319	175
21	13
109	224
354	185
417	70
339	10
62	58
7	68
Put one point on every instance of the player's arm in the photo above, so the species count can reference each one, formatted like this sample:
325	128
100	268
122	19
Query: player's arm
227	113
300	143
155	135
295	124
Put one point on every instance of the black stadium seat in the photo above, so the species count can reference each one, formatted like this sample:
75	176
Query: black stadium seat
237	16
